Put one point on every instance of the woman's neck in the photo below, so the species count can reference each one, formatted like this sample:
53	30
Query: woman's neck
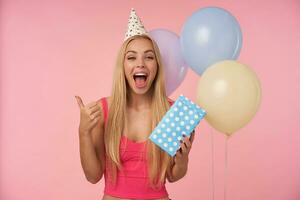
139	101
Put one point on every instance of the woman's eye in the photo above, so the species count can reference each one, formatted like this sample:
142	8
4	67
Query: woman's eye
147	57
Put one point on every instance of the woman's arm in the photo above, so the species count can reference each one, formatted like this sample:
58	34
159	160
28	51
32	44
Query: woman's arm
179	165
91	145
92	155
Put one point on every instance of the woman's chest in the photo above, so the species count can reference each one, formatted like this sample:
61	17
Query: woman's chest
137	125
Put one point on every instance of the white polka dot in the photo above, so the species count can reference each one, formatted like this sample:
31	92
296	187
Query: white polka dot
164	135
191	112
175	109
169	139
182	123
174	143
158	131
168	130
167	120
159	140
183	133
154	136
181	113
177	119
192	122
185	108
171	114
171	149
179	138
196	116
165	144
178	128
186	117
172	124
174	134
179	104
163	125
187	127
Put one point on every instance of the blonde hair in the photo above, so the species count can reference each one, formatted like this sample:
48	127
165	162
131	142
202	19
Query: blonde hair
158	160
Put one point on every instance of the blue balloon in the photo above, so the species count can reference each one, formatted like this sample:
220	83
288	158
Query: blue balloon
210	35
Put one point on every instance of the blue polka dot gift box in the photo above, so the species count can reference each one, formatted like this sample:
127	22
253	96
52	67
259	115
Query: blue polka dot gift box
182	118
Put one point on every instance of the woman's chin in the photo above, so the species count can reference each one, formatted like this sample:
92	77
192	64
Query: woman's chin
140	90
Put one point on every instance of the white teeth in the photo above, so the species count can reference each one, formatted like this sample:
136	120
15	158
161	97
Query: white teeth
140	74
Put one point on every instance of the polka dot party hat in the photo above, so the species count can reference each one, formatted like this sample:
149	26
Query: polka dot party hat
135	25
181	119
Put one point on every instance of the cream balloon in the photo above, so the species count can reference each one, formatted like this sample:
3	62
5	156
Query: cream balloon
230	92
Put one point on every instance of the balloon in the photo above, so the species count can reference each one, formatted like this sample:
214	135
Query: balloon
210	35
174	66
230	93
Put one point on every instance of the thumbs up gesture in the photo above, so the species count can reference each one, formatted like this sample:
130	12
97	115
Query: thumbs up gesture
89	116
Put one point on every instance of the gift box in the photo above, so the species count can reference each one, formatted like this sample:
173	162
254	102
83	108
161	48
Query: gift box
182	118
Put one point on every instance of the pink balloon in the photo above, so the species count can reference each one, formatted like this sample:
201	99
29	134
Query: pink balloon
174	66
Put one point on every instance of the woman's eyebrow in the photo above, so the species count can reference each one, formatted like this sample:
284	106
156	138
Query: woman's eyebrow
150	50
131	51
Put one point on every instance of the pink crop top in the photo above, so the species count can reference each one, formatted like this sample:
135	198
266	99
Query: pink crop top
132	180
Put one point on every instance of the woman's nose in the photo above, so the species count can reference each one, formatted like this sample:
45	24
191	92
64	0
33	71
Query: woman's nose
140	62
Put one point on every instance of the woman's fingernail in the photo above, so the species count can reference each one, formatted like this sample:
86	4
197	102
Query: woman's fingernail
183	135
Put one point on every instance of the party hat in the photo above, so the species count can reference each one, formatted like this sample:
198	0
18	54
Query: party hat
135	25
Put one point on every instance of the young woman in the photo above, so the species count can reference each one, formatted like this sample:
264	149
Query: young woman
114	131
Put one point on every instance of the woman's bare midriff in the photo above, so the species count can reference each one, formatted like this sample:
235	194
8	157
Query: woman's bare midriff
106	197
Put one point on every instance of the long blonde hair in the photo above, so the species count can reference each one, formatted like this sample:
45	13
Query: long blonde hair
158	160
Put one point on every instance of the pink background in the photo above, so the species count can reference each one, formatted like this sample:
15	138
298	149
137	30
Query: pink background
53	50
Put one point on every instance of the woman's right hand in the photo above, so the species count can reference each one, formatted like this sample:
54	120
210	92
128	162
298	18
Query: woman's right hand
89	116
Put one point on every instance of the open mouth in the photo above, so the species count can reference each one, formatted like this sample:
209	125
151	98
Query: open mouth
140	79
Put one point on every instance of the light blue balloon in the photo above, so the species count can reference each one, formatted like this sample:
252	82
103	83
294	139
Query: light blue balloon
210	35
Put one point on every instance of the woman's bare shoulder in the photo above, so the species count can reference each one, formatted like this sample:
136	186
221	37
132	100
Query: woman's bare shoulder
108	100
171	101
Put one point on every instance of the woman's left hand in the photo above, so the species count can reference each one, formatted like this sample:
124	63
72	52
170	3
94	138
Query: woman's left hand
181	157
